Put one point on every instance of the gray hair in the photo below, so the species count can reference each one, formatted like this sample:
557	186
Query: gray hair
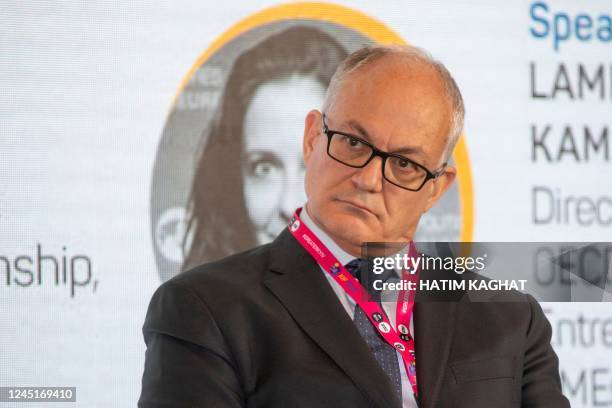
367	55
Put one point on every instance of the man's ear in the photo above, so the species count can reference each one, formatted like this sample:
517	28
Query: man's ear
312	129
440	184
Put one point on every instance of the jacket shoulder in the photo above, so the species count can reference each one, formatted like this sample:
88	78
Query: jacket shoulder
238	270
204	294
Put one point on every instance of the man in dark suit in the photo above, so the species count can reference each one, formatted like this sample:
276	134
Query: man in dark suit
270	327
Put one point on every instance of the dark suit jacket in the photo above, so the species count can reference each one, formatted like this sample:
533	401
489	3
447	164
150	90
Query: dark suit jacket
264	329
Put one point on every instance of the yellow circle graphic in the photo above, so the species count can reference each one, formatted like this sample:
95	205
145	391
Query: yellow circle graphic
369	27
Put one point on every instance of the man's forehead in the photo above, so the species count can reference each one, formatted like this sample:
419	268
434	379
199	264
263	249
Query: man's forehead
403	99
401	142
394	82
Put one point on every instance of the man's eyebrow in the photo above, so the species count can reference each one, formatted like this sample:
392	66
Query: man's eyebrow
360	129
412	150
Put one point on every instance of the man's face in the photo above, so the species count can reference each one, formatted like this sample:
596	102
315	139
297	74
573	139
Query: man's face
398	109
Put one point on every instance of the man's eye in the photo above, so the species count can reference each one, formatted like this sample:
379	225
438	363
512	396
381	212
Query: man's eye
352	142
403	164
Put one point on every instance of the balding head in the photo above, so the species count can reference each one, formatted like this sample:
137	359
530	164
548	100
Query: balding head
408	57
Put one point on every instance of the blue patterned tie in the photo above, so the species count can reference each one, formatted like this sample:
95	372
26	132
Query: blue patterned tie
384	353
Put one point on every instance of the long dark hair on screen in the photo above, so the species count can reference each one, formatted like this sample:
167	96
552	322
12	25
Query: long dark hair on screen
218	223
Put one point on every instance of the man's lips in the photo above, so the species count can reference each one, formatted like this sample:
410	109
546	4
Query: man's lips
360	206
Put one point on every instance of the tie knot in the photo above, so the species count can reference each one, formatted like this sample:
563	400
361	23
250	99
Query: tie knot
362	270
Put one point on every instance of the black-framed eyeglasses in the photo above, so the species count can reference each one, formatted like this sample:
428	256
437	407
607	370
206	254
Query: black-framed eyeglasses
398	170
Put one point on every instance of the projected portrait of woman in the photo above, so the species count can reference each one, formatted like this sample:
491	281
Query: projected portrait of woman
249	175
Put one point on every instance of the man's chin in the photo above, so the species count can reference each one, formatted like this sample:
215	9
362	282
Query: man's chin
350	228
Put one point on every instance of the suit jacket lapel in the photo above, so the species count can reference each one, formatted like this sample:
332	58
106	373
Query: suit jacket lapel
299	284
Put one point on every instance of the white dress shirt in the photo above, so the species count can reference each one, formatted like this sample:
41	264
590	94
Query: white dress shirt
388	303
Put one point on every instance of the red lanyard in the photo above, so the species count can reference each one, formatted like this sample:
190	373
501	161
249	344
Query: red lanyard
399	337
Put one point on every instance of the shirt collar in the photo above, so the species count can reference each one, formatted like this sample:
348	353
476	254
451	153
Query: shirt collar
340	254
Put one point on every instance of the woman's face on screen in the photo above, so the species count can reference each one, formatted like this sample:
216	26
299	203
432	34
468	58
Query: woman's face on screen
273	167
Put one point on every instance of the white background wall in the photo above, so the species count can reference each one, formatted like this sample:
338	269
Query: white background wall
85	90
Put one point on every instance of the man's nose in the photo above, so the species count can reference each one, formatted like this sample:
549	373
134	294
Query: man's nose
369	178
